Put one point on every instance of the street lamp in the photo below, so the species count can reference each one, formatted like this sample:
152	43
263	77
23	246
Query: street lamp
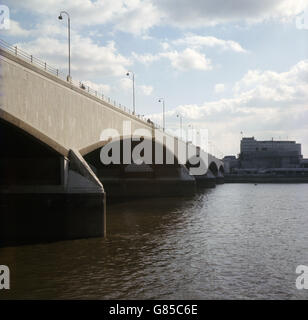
163	101
192	128
69	41
133	78
181	122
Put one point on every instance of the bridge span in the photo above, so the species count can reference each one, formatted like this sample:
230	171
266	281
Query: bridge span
53	184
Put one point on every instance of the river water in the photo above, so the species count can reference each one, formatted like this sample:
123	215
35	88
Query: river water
237	241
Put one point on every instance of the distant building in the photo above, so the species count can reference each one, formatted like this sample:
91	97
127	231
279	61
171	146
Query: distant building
256	156
231	164
304	163
269	154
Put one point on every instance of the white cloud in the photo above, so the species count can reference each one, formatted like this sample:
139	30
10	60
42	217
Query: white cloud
196	41
83	12
17	30
146	58
50	27
126	84
188	59
219	88
135	16
265	104
87	57
165	45
285	87
146	90
199	13
138	16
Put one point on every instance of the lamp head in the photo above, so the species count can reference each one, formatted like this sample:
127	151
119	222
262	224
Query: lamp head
127	73
60	17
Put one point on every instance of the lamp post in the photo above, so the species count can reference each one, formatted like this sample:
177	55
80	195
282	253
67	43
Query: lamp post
69	41
163	101
181	122
133	78
192	128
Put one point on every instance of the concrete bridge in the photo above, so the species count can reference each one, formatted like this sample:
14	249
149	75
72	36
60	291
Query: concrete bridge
53	184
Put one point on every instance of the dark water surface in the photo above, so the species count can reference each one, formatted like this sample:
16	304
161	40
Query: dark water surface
235	241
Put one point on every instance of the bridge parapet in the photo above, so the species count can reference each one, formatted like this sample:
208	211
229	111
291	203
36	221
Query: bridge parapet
44	66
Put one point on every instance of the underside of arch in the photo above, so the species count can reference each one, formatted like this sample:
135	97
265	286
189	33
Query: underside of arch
25	158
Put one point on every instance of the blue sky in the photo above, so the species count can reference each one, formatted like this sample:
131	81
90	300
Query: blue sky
225	66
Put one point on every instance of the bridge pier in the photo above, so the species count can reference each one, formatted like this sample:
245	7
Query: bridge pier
177	182
220	179
207	180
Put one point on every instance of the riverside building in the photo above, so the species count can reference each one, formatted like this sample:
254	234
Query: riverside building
269	154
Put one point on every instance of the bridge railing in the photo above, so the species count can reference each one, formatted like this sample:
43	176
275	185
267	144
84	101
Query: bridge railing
28	57
56	72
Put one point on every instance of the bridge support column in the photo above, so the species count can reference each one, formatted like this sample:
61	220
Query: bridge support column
220	179
207	180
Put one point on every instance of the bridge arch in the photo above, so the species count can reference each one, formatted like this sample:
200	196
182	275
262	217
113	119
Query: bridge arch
28	157
91	153
214	169
222	170
149	179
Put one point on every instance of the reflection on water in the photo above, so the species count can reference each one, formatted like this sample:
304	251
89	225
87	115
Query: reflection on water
235	241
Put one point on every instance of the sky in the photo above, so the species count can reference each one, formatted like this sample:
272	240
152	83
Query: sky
229	66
